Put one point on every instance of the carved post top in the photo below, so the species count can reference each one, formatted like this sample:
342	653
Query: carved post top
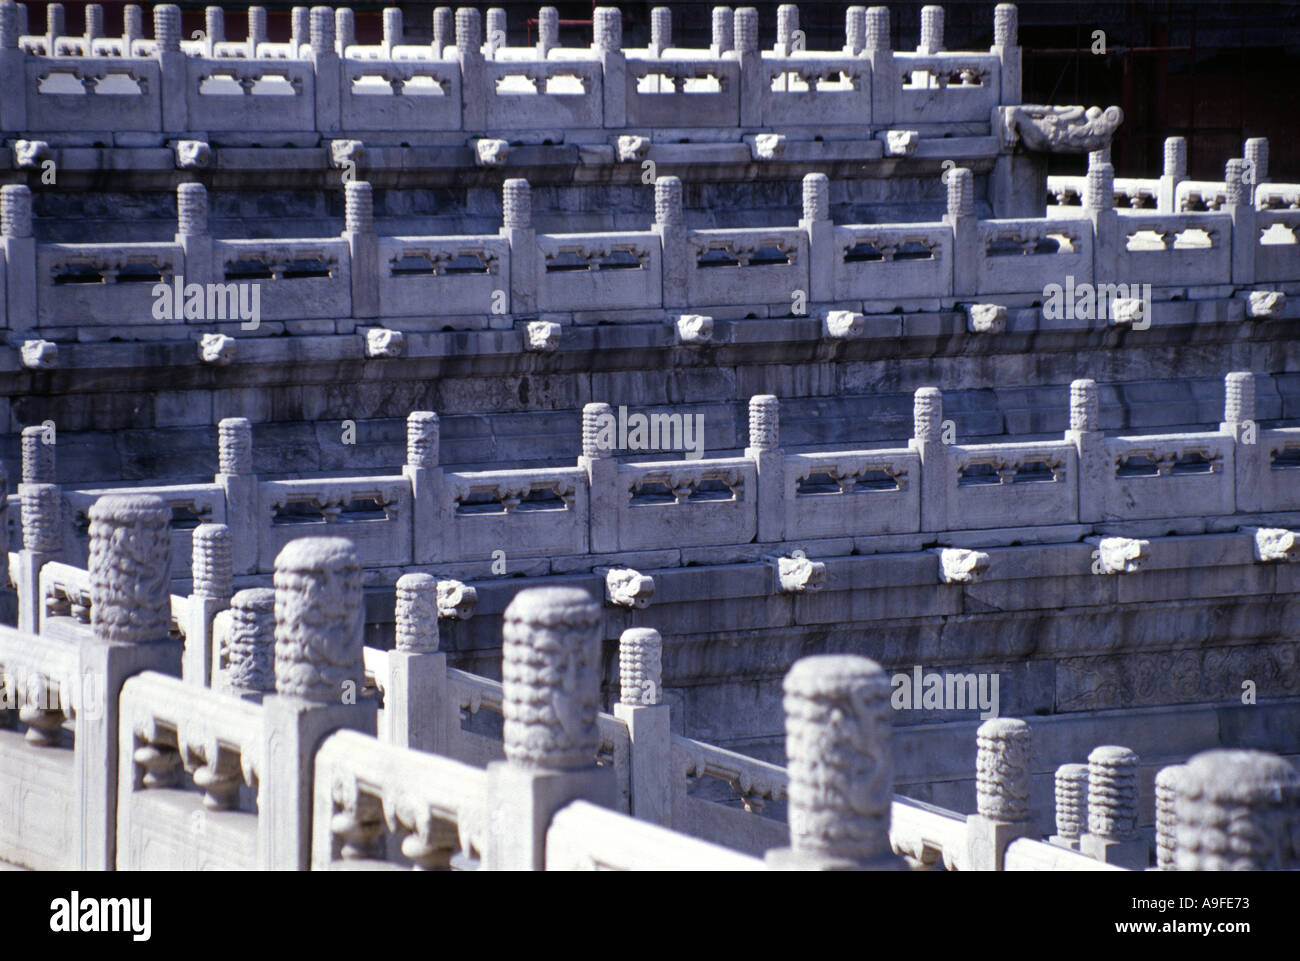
299	27
422	439
927	413
596	419
608	29
724	34
393	26
668	200
855	29
8	25
787	22
661	28
517	203
444	29
1234	176
319	619
931	29
417	613
1257	159
746	30
1239	397
38	456
358	207
550	678
838	726
640	664
1099	188
132	21
469	31
1002	769
211	563
1175	157
259	600
877	20
1085	405
816	197
1237	810
235	446
764	422
1071	799
15	210
214	22
191	210
1006	23
41	510
321	30
167	27
130	568
961	192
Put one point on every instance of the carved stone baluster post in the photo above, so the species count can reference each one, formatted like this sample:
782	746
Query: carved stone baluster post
42	517
13	108
249	670
130	615
525	266
326	59
172	69
607	41
769	464
724	32
597	460
425	475
787	22
752	75
299	30
1175	172
1237	811
417	709
816	221
548	31
838	722
1006	45
966	248
1256	172
444	30
19	245
1167	815
1251	459
661	30
884	73
55	27
214	22
1071	805
193	233
257	30
1113	809
363	247
497	32
641	707
319	620
1095	470
1241	207
550	681
474	90
1108	240
1001	793
392	35
936	470
670	225
211	570
8	600
236	479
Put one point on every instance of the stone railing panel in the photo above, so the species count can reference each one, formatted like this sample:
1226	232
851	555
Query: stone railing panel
103	285
245	96
1167	475
295	279
443	276
167	821
1167	250
372	512
683	93
65	93
1277	254
563	94
694	503
834	89
744	266
1016	256
1279	476
1012	485
599	271
539	512
399	95
885	262
846	493
946	88
376	805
